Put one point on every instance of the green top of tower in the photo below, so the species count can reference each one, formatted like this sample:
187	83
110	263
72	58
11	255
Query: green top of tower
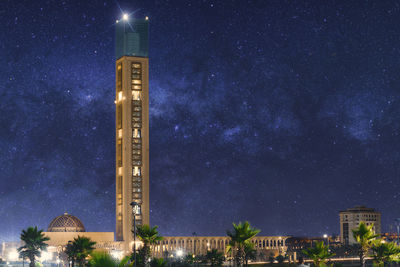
132	37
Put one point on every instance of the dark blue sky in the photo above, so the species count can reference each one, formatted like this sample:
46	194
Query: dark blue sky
278	112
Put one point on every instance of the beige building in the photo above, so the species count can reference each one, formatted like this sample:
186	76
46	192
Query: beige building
172	246
62	230
351	218
132	127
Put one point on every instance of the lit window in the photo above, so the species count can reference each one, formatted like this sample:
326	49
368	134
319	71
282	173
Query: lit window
136	82
119	77
136	171
120	96
136	87
120	133
136	65
136	133
136	95
119	153
119	116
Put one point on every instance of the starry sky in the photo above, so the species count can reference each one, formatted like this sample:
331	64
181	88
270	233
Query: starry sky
281	112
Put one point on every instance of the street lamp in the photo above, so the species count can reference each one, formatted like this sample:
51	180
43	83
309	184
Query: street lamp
135	211
327	240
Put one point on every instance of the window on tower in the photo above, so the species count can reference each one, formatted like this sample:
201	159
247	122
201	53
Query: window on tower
119	152
136	95
119	116
136	133
119	77
136	171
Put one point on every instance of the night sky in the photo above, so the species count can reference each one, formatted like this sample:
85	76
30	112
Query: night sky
282	113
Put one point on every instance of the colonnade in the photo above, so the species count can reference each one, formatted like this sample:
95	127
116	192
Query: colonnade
196	245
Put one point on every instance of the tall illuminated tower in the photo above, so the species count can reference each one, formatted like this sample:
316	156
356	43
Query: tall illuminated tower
132	125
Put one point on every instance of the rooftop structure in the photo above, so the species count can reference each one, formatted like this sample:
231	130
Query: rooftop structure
66	223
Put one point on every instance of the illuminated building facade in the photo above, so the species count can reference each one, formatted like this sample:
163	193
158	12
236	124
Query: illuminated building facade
351	218
132	125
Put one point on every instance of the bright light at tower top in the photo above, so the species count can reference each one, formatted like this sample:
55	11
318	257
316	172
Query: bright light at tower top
125	17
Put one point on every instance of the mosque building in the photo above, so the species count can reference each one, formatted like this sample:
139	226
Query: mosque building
132	168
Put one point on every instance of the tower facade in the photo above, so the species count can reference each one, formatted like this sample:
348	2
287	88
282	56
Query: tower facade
132	126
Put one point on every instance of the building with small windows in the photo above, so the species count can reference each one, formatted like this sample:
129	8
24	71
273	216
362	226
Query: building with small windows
132	126
351	218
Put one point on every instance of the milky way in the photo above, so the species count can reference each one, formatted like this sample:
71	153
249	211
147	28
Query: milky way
282	113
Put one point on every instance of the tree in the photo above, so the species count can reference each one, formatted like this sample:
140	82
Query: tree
242	233
103	259
364	236
319	254
271	258
34	240
280	258
385	253
189	259
149	236
158	262
249	252
79	249
214	257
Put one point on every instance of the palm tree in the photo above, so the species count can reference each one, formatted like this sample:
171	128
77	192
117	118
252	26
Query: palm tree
34	243
103	259
79	249
319	254
214	257
385	252
364	235
149	236
71	251
241	234
249	252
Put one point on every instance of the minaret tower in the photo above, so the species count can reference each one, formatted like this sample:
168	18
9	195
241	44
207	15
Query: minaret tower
132	125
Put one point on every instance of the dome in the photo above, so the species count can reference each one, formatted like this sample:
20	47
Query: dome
66	223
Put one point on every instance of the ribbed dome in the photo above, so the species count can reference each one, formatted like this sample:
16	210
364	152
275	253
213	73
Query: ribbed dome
66	223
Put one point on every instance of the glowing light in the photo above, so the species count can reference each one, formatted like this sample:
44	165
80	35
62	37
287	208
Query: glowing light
46	256
147	18
13	255
325	236
125	17
116	21
116	254
179	253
